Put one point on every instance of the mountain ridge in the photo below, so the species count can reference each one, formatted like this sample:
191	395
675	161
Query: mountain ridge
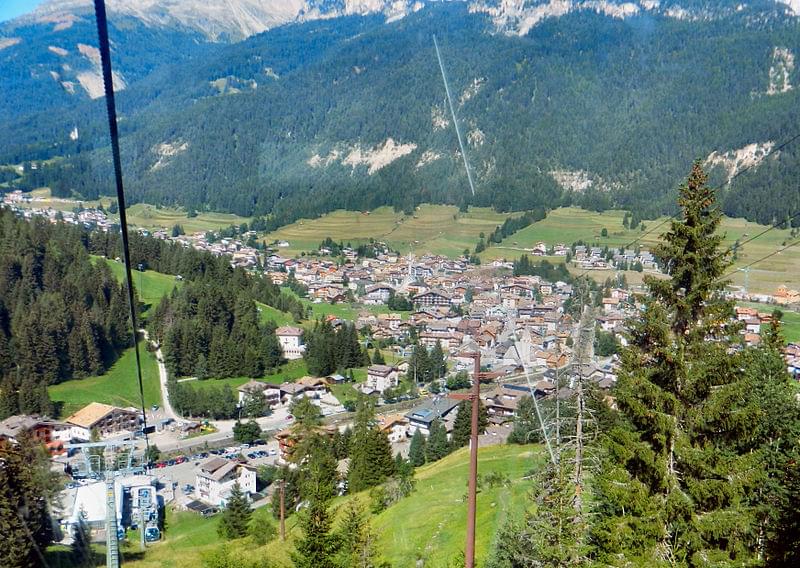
350	112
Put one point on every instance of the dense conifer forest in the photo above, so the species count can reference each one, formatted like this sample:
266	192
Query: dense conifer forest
61	315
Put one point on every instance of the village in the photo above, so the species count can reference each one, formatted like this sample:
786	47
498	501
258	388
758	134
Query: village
524	328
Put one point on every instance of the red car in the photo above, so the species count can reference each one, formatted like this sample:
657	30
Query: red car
180	459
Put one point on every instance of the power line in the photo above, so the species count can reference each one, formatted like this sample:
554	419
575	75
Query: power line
455	120
763	258
108	83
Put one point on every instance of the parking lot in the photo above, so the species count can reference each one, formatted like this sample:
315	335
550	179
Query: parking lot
182	470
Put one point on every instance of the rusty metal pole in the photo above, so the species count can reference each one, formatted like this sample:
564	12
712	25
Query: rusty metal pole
283	509
469	553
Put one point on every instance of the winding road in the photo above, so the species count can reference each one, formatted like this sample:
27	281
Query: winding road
162	376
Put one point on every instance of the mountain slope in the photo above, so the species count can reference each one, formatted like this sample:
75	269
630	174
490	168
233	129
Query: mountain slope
585	108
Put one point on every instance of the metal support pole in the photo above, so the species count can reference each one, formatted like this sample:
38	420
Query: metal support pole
283	509
469	552
141	527
112	542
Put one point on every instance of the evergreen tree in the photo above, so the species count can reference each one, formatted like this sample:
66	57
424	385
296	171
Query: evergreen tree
417	450
437	446
419	367
201	368
358	543
318	545
24	492
689	477
462	427
526	424
81	547
437	362
9	398
377	357
236	516
370	452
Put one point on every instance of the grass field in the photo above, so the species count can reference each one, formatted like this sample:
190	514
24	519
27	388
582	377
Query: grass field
291	371
150	217
790	322
568	225
268	313
119	386
149	285
433	228
791	326
429	524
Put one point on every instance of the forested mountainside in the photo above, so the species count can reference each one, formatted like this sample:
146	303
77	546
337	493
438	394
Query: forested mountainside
61	317
597	104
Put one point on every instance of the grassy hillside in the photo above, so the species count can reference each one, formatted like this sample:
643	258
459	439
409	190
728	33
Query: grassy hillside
119	386
149	217
791	326
439	229
429	524
150	286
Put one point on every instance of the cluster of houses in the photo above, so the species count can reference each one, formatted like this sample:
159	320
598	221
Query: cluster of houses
104	419
596	258
22	204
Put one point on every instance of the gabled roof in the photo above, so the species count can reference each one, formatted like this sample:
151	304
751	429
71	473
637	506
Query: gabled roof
92	413
288	330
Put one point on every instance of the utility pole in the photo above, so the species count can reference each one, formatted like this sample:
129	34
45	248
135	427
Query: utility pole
283	509
473	466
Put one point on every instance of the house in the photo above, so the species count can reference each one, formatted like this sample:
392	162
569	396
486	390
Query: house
313	387
378	294
395	427
50	433
290	437
439	408
103	418
291	340
271	393
610	304
381	377
215	478
432	298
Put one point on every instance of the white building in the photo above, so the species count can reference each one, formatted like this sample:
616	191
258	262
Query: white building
253	388
291	340
216	477
382	377
378	294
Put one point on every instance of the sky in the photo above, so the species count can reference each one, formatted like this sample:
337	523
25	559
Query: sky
13	8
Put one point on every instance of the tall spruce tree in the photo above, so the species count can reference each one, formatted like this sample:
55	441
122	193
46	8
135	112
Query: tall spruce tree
687	480
417	450
358	542
319	545
371	459
236	516
462	427
437	446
